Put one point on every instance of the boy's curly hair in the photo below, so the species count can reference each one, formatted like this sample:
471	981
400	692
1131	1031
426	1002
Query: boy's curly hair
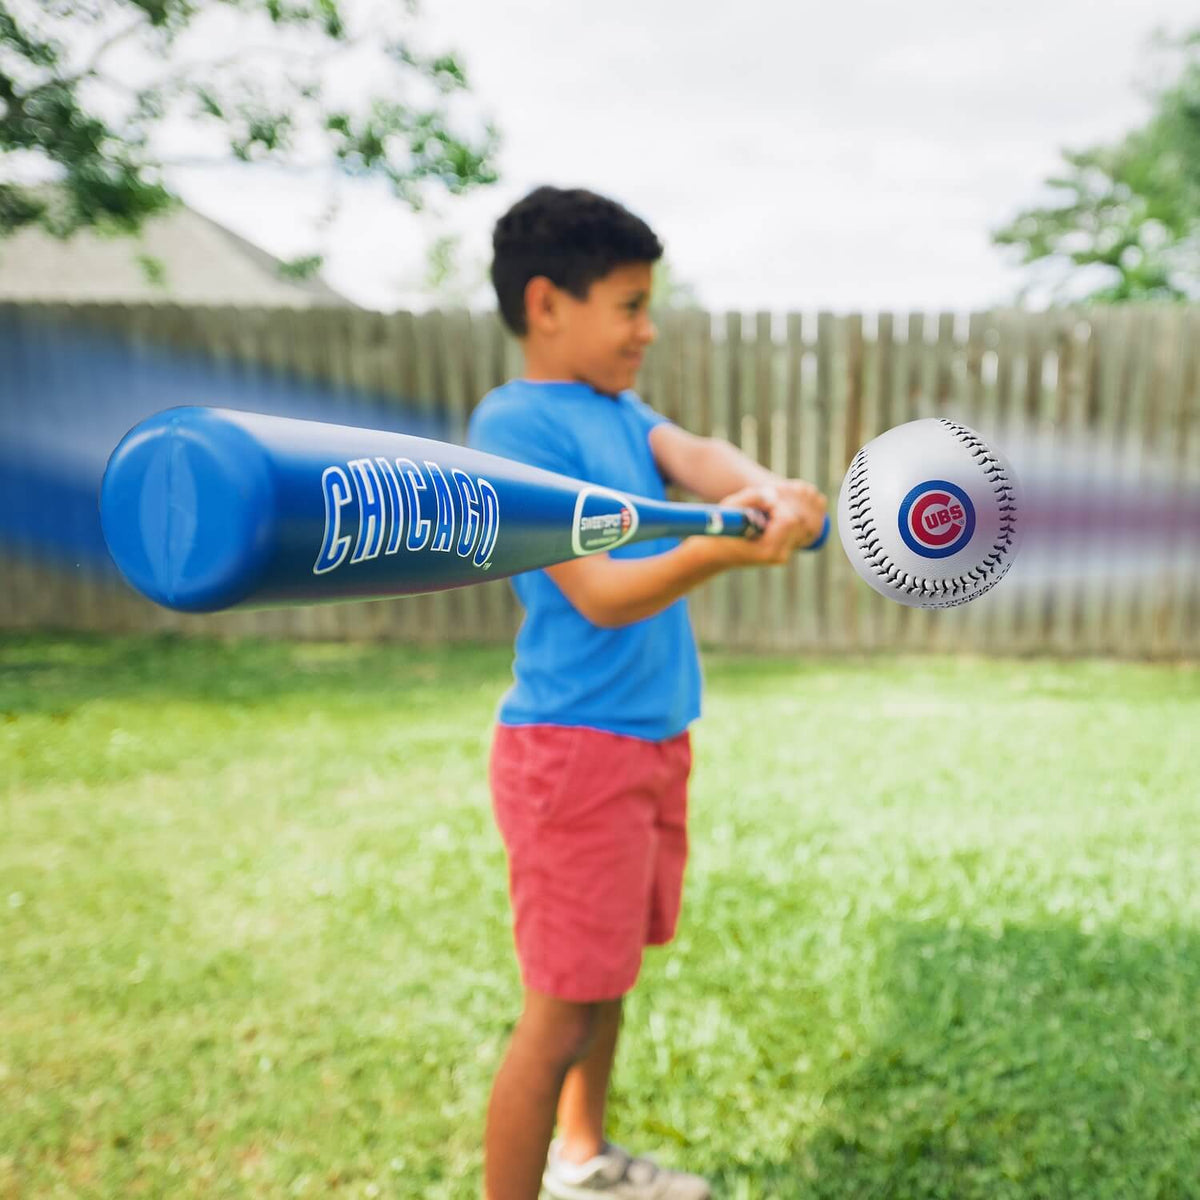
571	236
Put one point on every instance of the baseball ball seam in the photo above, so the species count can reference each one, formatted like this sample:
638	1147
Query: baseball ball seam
972	583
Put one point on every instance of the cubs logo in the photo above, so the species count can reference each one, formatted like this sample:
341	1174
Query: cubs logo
936	519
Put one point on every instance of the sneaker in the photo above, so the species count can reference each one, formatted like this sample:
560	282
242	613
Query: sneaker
614	1172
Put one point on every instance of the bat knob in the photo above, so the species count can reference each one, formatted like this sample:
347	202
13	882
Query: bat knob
186	505
756	522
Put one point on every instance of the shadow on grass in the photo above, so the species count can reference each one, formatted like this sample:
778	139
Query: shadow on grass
1033	1062
45	674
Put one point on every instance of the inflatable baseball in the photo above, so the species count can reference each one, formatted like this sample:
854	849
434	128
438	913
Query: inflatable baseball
928	514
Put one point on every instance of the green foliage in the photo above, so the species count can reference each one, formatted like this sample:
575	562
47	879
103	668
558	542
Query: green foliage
70	102
939	936
1132	207
19	206
307	266
105	179
443	267
669	291
454	276
154	270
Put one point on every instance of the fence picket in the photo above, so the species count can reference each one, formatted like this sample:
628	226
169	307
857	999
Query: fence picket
775	453
723	629
909	406
747	585
1041	419
464	607
969	406
696	417
1163	353
879	405
497	606
822	475
768	600
999	636
1127	601
1189	613
1185	542
802	451
1113	330
845	439
1061	627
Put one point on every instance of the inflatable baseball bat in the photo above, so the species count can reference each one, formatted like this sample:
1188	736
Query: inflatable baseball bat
206	509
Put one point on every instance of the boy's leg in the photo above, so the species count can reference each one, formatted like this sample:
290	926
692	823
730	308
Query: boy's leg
581	1104
550	1037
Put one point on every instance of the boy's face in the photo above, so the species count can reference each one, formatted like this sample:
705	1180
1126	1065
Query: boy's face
602	340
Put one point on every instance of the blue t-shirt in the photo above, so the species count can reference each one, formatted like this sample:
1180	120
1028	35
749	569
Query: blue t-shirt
642	679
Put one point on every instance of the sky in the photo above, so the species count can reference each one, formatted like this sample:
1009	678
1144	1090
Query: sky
850	156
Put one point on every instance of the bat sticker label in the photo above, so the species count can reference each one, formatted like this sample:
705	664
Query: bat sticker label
604	519
376	505
937	519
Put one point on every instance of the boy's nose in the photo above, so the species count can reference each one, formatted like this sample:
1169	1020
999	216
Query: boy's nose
647	332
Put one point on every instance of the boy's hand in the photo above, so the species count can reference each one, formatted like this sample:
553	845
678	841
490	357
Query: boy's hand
795	513
809	502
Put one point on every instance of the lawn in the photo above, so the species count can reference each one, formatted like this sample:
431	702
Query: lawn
941	935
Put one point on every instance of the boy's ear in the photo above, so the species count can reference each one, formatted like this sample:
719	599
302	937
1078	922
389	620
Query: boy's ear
543	305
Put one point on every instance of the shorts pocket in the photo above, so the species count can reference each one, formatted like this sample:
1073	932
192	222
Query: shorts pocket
550	768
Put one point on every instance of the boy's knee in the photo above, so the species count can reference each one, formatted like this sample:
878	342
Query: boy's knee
565	1031
571	1036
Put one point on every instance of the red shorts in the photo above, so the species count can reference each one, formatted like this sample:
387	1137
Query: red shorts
595	825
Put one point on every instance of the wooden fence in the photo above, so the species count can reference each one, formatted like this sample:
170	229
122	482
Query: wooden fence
800	392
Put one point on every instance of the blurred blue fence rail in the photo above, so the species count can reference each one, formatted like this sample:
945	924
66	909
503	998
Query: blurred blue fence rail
74	379
1099	411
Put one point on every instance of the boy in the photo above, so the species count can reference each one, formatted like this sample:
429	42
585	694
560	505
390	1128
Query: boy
590	757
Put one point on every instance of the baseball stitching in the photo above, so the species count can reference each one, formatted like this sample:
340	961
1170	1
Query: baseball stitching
975	582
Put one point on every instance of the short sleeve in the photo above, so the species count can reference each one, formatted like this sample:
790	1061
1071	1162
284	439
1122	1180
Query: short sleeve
518	433
643	413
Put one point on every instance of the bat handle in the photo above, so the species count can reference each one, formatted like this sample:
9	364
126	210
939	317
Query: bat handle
750	522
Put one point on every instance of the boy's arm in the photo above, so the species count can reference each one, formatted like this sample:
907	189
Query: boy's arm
707	467
711	468
611	592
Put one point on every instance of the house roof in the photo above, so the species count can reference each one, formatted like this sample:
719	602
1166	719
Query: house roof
203	263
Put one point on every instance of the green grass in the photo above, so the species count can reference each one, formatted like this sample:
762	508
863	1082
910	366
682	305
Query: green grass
941	935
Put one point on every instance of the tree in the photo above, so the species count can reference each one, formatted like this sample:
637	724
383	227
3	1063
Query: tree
669	290
1129	211
99	95
454	277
